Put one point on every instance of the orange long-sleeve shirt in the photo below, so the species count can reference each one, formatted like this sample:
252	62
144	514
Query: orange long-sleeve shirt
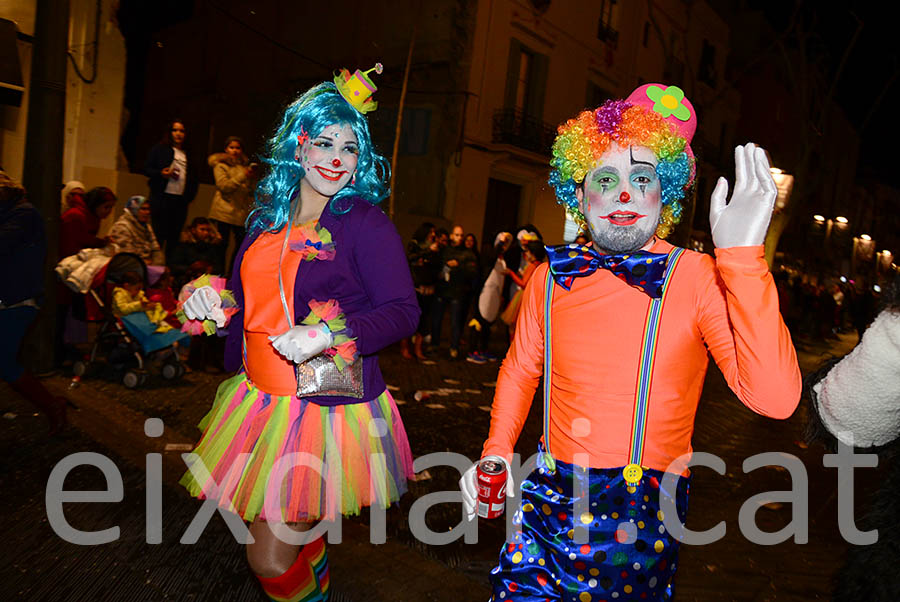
728	306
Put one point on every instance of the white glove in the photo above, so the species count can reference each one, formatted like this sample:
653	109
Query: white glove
744	220
468	486
302	342
205	304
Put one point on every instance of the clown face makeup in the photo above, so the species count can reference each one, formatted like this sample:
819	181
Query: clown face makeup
329	159
621	199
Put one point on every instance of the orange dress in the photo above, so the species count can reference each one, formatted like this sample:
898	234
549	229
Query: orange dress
264	314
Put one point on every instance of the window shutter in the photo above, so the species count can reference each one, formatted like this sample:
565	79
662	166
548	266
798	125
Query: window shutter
537	85
512	73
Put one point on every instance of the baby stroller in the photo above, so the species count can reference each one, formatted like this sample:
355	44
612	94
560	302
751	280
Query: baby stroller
128	342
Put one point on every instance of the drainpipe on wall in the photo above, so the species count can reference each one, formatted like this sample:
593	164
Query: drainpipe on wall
42	174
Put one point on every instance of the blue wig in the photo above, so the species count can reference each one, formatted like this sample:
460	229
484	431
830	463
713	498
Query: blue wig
319	107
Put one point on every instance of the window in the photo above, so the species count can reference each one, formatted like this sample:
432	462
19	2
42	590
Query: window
707	70
524	77
596	95
526	80
674	67
414	131
608	25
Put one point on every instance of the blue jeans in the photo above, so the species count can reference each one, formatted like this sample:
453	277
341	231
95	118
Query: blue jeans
456	320
13	324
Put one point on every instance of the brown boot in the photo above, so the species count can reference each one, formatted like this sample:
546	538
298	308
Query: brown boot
404	349
417	343
52	406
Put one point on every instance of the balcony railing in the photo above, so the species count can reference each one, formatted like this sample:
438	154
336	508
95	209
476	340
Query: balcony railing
512	126
607	34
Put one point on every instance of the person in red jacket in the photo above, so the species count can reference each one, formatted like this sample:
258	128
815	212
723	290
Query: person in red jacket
80	223
78	230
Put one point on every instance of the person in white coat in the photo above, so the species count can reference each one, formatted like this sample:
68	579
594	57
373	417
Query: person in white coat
856	401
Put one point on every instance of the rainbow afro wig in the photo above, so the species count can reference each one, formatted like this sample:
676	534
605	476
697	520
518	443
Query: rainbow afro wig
654	116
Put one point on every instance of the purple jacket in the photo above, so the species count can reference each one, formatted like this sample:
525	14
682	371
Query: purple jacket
370	279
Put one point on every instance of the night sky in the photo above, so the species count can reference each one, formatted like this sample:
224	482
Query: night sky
870	71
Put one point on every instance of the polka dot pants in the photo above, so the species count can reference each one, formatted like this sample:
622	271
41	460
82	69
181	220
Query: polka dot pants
586	536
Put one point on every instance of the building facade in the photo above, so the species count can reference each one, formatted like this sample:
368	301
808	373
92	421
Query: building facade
537	64
489	82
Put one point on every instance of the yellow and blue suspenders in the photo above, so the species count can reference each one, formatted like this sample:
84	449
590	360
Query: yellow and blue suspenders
632	472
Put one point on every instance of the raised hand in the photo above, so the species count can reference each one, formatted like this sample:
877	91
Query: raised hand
743	221
205	304
300	343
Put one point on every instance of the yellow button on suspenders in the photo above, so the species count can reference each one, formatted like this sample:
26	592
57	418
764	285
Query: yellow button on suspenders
632	474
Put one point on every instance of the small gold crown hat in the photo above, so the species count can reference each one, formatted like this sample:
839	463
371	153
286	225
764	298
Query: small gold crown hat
357	89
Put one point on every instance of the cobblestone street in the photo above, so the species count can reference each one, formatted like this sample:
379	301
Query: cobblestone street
452	415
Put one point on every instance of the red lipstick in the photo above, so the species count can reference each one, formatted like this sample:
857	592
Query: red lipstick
328	174
622	218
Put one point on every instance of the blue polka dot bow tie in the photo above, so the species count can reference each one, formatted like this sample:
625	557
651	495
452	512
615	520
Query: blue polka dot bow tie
641	269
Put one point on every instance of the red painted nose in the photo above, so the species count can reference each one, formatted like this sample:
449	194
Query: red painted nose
336	162
624	197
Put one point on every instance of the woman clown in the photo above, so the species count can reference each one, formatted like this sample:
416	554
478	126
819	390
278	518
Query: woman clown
621	330
322	274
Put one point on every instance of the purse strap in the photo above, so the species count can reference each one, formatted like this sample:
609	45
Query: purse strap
284	305
645	371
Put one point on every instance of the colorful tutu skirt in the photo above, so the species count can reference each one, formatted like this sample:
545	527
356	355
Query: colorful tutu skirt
286	459
628	555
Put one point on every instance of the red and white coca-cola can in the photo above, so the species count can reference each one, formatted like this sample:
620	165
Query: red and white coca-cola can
491	479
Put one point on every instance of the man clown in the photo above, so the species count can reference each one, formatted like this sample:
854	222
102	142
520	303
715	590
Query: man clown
621	330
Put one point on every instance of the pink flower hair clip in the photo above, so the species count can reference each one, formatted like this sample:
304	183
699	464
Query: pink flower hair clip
303	137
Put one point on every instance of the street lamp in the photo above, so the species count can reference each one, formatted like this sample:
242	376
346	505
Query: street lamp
884	262
837	248
785	185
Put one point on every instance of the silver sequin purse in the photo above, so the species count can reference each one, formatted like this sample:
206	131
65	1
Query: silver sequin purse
319	375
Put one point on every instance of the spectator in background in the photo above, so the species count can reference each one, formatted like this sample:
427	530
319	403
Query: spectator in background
80	223
235	180
534	254
200	242
863	306
459	267
424	259
173	183
515	256
23	247
471	243
161	292
72	187
129	297
442	236
134	233
489	301
78	230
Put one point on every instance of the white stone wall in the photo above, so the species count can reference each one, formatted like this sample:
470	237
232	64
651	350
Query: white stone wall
93	111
